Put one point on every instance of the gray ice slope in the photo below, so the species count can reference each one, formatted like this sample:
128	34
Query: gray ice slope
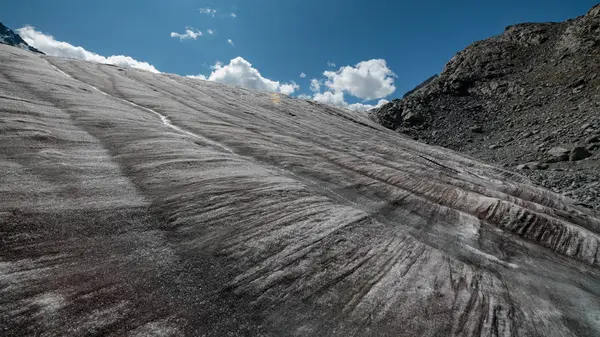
140	204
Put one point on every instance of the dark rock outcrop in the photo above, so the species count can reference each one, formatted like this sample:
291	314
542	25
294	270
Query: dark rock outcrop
579	153
532	88
426	82
9	37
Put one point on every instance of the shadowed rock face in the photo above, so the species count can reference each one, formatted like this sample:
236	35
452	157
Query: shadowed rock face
8	37
532	88
141	204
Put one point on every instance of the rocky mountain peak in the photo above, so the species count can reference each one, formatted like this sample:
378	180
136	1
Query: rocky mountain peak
595	11
532	88
9	37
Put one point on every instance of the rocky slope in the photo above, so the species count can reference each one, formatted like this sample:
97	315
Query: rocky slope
528	99
8	37
142	204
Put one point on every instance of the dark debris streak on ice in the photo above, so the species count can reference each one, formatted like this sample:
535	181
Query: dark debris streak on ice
240	215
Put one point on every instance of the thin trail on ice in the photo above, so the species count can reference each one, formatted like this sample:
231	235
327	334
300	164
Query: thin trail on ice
166	121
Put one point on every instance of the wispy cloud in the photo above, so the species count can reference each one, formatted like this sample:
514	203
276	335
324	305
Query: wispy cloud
208	11
210	31
230	42
52	47
302	75
315	85
189	34
233	15
330	64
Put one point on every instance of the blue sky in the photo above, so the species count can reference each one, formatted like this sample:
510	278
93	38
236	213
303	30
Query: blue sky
284	38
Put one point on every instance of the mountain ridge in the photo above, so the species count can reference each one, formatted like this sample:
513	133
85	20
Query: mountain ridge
9	37
515	99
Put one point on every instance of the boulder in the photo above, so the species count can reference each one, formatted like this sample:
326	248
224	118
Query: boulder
557	154
579	153
412	117
476	129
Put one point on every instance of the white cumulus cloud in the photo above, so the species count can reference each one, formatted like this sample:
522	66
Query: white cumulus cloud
198	77
210	32
52	47
366	107
331	98
336	98
302	75
288	88
208	11
189	34
240	72
367	80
